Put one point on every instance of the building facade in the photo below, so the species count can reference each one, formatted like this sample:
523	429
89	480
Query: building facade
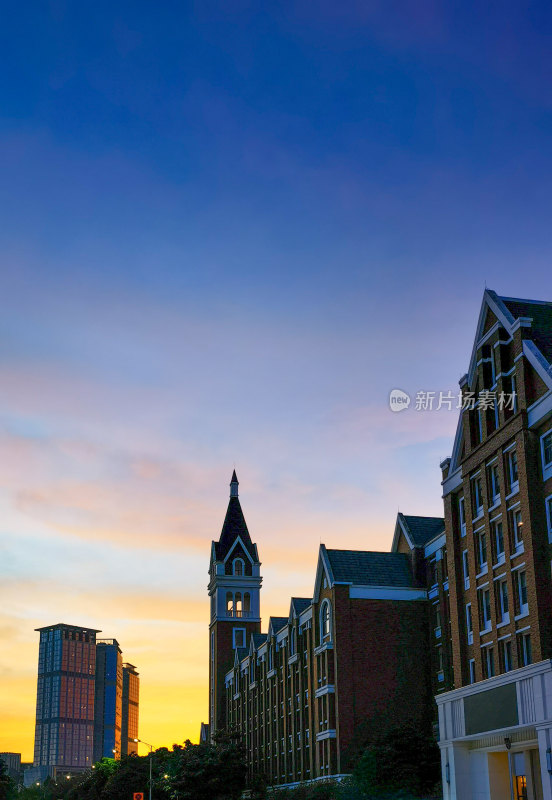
497	490
79	702
64	732
108	700
130	711
306	695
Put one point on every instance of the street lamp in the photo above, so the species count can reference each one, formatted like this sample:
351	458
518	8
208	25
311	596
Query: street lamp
150	760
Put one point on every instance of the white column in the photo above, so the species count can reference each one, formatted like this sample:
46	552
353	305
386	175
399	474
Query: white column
544	743
458	758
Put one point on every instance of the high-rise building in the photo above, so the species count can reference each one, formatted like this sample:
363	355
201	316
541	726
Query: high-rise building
131	701
64	732
82	688
13	765
108	699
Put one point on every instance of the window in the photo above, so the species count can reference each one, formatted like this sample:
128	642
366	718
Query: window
437	621
477	497
293	642
239	637
505	655
546	452
512	471
229	604
548	503
462	515
524	649
493	484
325	621
465	567
516	529
270	657
498	540
503	612
520	582
472	670
481	542
488	662
440	664
485	609
238	566
469	623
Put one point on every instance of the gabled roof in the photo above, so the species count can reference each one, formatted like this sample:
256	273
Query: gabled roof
422	530
299	604
257	639
540	331
241	653
537	341
234	525
364	568
277	623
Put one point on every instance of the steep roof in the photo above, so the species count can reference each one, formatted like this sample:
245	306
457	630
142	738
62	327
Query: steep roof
258	639
371	568
278	623
299	604
541	314
422	530
234	525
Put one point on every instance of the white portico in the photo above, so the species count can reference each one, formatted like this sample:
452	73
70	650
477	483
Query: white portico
496	737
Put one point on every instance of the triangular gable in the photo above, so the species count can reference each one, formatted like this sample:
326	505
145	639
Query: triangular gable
491	301
401	529
244	548
323	569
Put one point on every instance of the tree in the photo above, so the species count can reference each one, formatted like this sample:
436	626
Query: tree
208	771
7	785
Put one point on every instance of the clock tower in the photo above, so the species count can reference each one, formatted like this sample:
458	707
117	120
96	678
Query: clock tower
234	590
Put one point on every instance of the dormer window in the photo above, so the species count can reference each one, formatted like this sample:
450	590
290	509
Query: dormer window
238	566
325	622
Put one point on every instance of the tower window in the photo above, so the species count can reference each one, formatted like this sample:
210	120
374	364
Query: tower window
238	566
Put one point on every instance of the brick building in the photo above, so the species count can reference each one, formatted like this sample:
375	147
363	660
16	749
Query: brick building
466	602
496	726
360	653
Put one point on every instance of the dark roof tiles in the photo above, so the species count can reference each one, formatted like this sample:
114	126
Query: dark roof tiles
371	568
423	529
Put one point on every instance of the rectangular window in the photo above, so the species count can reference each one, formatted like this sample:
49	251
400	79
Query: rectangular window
546	452
493	484
524	649
472	670
466	569
485	609
512	471
548	503
488	662
516	529
503	611
481	542
469	623
239	637
477	497
498	540
462	515
505	655
520	580
437	621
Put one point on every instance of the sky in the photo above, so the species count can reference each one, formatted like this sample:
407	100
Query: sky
228	231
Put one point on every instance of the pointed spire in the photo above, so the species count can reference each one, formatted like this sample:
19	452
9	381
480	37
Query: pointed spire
234	483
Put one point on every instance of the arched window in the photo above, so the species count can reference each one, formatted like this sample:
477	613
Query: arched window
238	604
325	622
238	566
246	604
229	604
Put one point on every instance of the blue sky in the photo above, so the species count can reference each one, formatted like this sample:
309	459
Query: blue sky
228	230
